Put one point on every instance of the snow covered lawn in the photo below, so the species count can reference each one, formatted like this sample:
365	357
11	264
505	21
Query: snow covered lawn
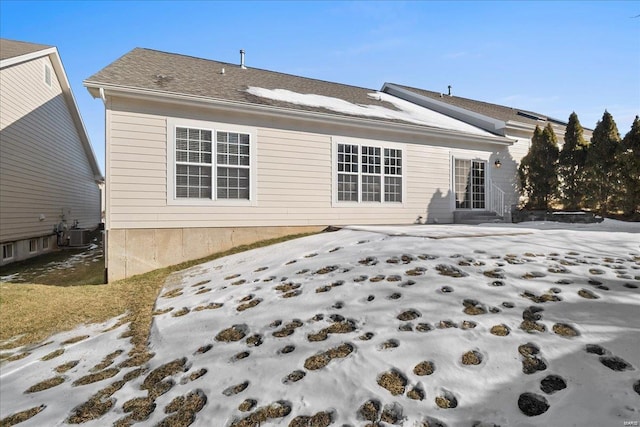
535	324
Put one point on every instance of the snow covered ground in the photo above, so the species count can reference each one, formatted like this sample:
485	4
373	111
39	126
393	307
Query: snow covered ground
535	324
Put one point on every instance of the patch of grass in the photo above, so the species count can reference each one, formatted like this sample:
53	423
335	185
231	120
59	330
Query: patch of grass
33	312
19	417
66	267
46	384
98	376
393	381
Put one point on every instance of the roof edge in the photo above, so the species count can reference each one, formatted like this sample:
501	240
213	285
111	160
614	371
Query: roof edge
476	119
133	92
27	57
56	62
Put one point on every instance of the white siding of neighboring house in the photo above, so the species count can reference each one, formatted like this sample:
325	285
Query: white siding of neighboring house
294	177
44	170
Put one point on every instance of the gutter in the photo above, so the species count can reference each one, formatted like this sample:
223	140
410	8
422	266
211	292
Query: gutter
100	90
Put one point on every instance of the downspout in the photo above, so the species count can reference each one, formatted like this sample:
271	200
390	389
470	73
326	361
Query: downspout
102	96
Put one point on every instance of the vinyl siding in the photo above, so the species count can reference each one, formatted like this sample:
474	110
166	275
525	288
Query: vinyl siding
43	166
294	175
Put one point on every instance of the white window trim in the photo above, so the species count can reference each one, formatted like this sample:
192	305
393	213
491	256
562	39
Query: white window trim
13	251
369	143
172	124
46	242
487	180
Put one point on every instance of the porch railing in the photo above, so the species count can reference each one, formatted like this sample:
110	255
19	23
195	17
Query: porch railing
496	199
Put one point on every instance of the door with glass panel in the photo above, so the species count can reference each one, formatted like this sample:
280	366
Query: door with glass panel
470	183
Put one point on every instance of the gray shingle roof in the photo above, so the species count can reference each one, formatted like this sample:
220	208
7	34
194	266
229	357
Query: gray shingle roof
174	73
495	111
13	48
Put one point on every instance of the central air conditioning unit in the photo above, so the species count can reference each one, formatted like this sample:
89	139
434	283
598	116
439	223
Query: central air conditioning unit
78	237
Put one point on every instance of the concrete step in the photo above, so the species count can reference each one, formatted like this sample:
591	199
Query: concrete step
476	217
476	221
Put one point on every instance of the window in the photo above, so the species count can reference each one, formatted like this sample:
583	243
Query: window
47	75
204	170
393	175
7	251
469	183
233	165
193	163
45	242
33	246
371	174
368	174
347	172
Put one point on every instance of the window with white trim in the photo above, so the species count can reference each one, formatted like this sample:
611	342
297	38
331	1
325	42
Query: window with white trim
33	246
347	172
45	242
204	170
232	165
369	174
7	251
392	175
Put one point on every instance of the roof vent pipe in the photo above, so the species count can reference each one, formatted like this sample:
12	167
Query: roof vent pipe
242	59
449	87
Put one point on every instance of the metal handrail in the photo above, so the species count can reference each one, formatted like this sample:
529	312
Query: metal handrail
496	199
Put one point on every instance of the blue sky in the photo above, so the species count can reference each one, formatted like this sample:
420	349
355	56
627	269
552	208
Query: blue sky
548	57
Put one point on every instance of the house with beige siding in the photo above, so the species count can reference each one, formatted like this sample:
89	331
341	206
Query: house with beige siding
203	155
48	172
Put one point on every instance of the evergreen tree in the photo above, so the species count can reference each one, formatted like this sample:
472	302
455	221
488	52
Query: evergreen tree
538	169
630	162
571	163
602	166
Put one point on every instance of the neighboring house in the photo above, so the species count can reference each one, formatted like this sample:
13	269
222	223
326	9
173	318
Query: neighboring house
513	123
48	172
204	155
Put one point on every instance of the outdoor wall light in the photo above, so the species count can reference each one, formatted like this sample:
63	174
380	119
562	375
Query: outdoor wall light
498	164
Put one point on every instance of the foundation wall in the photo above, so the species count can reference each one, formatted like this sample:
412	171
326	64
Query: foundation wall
137	251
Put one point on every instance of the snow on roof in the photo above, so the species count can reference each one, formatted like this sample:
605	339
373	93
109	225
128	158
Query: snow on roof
407	111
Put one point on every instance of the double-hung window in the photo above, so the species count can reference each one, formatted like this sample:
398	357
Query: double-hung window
193	163
232	165
392	175
212	164
368	174
348	172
